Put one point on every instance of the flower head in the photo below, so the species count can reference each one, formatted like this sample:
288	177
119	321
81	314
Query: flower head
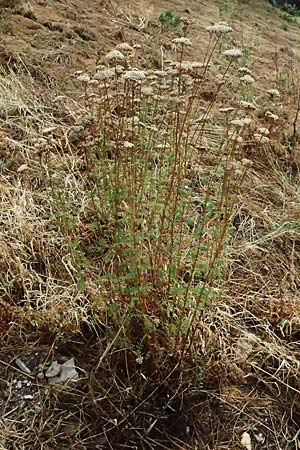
226	110
244	69
233	53
261	138
124	47
184	66
127	144
219	28
160	73
271	115
247	79
134	75
199	65
84	78
247	105
273	92
105	74
114	55
241	122
264	131
246	163
182	41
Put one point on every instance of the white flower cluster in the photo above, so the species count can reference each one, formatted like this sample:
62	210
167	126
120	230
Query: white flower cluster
273	93
182	41
219	28
233	53
241	122
134	75
114	55
247	79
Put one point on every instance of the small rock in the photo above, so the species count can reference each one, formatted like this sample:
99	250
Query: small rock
53	26
67	372
85	35
246	441
22	366
53	370
259	437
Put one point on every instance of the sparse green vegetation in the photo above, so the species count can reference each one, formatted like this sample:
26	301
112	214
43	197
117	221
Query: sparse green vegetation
169	19
288	18
81	45
291	10
141	173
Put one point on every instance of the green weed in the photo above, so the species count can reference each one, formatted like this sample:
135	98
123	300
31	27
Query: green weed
169	19
160	255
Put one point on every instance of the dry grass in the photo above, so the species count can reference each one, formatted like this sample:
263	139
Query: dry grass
237	368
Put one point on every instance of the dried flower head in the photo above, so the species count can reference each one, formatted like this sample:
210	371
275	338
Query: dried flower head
184	66
127	144
77	73
134	75
246	163
160	73
114	55
147	91
93	82
198	65
244	69
271	115
273	92
261	138
247	105
221	78
84	78
226	110
241	122
185	20
119	69
235	167
182	41
105	74
247	79
233	53
219	28
124	47
264	131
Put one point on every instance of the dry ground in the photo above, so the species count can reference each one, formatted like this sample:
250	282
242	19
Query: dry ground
253	330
